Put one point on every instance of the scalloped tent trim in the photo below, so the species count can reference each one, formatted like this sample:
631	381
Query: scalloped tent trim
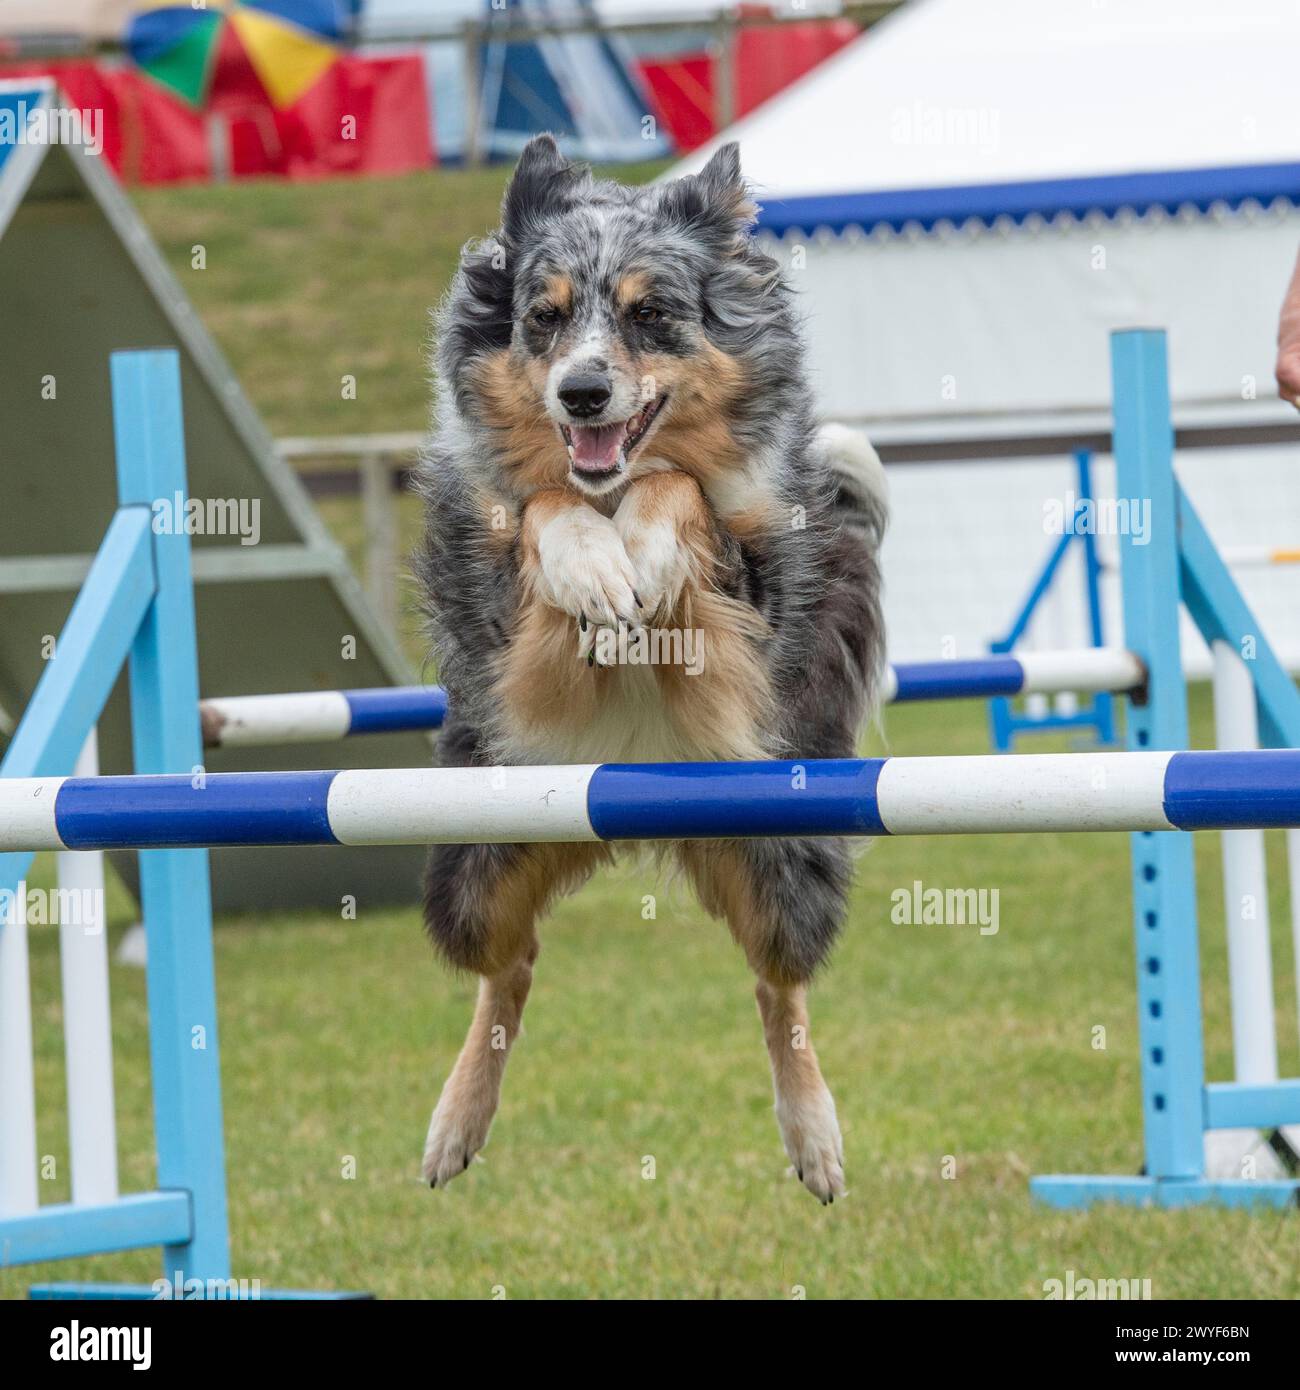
988	207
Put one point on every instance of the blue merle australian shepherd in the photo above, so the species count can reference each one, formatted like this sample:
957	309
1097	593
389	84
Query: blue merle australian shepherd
624	450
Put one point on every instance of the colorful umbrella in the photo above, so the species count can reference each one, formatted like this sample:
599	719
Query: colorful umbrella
287	44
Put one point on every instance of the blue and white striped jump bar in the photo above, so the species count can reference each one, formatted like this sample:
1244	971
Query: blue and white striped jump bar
320	716
659	801
246	721
1087	670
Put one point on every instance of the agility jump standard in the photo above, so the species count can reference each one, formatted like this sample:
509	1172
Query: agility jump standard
658	801
137	607
317	716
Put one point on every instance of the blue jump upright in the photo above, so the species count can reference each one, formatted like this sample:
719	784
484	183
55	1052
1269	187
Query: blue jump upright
1097	713
1178	563
137	609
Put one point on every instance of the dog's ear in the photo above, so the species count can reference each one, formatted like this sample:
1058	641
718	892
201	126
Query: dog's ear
543	183
716	202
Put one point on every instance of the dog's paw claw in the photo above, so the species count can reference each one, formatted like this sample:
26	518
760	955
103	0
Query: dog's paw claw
811	1135
453	1144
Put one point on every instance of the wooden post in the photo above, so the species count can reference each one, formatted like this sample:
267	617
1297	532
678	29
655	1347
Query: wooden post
724	76
218	146
379	516
473	40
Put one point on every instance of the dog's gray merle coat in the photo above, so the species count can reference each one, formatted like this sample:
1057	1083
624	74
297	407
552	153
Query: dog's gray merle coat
809	570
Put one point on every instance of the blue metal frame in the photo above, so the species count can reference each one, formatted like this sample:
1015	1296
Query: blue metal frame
137	608
1096	714
1179	562
175	893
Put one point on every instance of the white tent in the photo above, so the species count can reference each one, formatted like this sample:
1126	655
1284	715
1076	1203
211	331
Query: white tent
972	195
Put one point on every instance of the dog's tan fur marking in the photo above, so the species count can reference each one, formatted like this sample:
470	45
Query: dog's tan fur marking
728	704
805	1109
463	1116
758	520
725	890
545	684
558	290
703	388
510	395
632	289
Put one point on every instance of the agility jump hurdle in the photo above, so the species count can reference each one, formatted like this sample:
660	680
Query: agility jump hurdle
137	606
990	795
251	721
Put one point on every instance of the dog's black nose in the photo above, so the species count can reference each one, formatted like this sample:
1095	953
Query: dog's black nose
585	393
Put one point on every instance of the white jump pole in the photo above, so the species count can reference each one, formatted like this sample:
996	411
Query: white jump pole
17	1080
1245	892
87	1021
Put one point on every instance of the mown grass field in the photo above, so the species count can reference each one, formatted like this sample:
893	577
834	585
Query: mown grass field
641	1040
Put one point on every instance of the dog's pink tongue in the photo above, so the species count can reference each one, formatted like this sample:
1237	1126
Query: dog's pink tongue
595	447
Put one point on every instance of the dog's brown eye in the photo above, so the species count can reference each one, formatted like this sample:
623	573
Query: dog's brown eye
546	318
646	313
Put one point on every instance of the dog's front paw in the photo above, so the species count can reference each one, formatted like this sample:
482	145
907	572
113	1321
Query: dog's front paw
811	1134
661	562
585	570
457	1132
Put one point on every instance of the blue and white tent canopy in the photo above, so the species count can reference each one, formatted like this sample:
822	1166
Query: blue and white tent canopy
958	109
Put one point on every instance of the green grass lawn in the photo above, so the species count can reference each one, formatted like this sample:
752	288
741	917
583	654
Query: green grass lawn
642	1041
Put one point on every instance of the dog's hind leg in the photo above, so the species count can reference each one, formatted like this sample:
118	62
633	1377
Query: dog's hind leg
481	907
784	901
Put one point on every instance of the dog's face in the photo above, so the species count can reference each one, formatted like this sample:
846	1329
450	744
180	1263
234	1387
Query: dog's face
602	333
625	309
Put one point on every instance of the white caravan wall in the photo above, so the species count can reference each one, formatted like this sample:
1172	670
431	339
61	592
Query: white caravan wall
958	323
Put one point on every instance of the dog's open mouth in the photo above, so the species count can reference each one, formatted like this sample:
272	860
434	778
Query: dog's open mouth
599	450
